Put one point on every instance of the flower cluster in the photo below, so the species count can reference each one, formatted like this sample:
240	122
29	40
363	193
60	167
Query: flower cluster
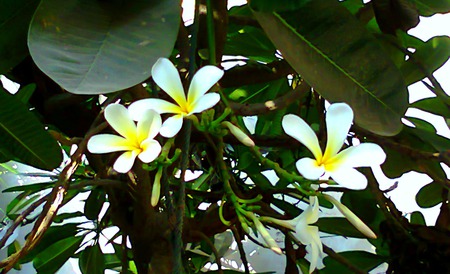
138	140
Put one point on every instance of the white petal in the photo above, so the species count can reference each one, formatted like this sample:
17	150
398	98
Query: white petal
120	120
339	118
125	162
316	248
171	126
311	214
149	125
202	81
205	102
363	155
106	143
309	169
298	129
349	178
151	150
166	76
138	108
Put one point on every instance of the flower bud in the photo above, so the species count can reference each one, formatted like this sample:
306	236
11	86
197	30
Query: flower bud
239	134
351	217
156	189
266	236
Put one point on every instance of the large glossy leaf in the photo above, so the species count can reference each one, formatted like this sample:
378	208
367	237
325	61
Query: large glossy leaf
23	137
52	258
92	47
337	56
15	17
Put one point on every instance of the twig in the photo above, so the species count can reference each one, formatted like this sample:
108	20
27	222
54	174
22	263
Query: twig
242	254
278	103
20	218
213	248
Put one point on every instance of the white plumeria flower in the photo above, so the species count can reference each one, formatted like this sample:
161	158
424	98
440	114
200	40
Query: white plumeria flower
136	141
339	166
167	78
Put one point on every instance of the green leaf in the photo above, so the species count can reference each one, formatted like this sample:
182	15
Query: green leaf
433	105
431	55
250	42
430	7
279	5
93	47
417	218
340	59
94	203
92	260
15	18
339	226
429	195
31	188
23	136
53	257
64	216
52	235
363	260
24	94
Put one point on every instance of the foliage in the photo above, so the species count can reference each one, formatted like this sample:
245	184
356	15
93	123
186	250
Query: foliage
295	57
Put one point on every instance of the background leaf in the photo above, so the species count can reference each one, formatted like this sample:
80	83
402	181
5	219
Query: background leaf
52	258
321	41
124	40
92	260
23	136
15	17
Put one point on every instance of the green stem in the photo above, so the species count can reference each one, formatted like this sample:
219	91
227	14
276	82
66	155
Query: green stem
211	32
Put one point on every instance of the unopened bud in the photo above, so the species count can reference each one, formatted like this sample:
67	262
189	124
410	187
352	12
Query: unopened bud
239	134
267	237
156	189
351	217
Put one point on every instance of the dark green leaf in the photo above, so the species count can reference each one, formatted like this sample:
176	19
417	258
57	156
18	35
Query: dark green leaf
21	202
429	195
430	7
279	5
339	226
111	261
52	235
433	105
417	218
31	188
23	136
92	260
93	47
250	42
24	94
15	18
287	207
53	257
64	216
362	260
322	40
430	56
94	203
